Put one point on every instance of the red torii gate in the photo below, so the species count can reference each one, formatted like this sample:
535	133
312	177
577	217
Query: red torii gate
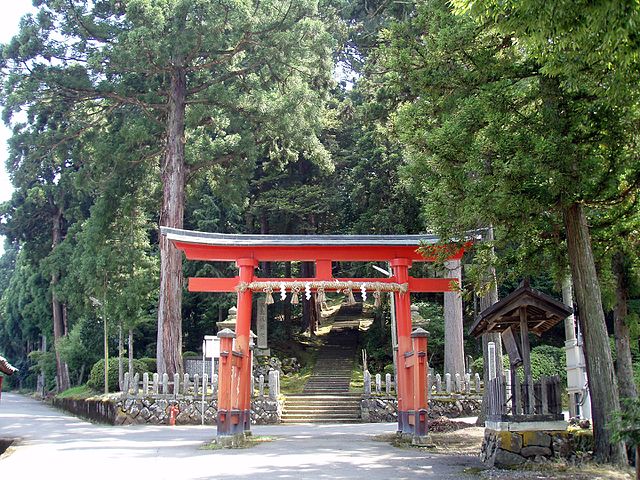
234	396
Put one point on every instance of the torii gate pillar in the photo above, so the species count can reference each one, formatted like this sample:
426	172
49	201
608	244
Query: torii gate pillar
412	364
243	331
234	391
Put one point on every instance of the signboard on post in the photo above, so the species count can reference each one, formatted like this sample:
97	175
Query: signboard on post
211	346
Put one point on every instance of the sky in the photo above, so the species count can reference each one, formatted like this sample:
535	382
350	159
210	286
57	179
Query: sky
12	11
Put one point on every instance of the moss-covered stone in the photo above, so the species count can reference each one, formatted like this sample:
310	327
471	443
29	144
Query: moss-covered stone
510	441
533	438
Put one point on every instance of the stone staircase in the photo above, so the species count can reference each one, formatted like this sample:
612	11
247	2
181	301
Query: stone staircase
326	397
315	408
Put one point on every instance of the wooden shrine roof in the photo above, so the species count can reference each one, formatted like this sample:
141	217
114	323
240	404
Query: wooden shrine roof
229	247
242	240
543	312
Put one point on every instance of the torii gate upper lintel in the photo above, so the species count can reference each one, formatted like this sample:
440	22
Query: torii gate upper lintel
234	396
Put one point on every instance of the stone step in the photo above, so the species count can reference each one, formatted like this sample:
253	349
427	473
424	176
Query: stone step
342	387
321	421
325	390
321	399
329	397
323	417
332	385
327	370
328	409
340	380
326	378
333	382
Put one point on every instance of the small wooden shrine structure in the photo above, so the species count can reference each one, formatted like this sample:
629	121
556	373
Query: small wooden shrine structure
247	251
524	310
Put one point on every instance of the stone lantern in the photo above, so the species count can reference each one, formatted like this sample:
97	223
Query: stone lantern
417	321
230	321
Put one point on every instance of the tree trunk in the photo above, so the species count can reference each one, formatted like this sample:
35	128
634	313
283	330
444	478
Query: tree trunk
169	346
120	358
603	385
130	351
486	301
62	370
81	375
264	230
288	325
453	328
624	362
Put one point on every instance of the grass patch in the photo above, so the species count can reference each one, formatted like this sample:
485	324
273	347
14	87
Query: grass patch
249	442
357	379
466	441
295	382
80	392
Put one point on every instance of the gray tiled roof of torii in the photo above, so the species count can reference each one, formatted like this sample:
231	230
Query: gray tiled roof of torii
6	367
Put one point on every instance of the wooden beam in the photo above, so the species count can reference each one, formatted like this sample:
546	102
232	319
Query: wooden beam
526	359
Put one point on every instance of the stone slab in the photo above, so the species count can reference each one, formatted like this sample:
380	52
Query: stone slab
558	425
504	458
536	438
534	451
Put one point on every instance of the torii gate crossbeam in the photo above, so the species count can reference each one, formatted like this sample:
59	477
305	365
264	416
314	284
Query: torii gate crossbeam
234	396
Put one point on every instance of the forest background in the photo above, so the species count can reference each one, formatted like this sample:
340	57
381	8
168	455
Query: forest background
312	117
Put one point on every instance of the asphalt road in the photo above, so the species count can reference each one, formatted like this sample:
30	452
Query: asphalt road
55	445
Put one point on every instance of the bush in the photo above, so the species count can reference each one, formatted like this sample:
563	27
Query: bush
191	355
477	366
151	364
545	360
548	360
96	377
42	362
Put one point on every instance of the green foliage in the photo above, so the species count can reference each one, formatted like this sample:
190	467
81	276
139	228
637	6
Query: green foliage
79	392
551	360
477	366
434	312
545	361
626	423
44	362
377	342
576	41
80	347
96	377
543	364
150	364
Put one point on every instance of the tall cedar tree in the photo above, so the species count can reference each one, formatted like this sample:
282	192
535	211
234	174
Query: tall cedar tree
490	139
224	77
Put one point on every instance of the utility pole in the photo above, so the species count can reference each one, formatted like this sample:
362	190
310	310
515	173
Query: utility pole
103	304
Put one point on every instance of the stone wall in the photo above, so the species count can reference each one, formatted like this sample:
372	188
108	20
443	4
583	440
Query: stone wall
505	449
155	410
96	410
377	408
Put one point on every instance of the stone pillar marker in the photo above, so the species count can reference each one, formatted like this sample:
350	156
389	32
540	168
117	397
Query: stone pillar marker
262	348
454	359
